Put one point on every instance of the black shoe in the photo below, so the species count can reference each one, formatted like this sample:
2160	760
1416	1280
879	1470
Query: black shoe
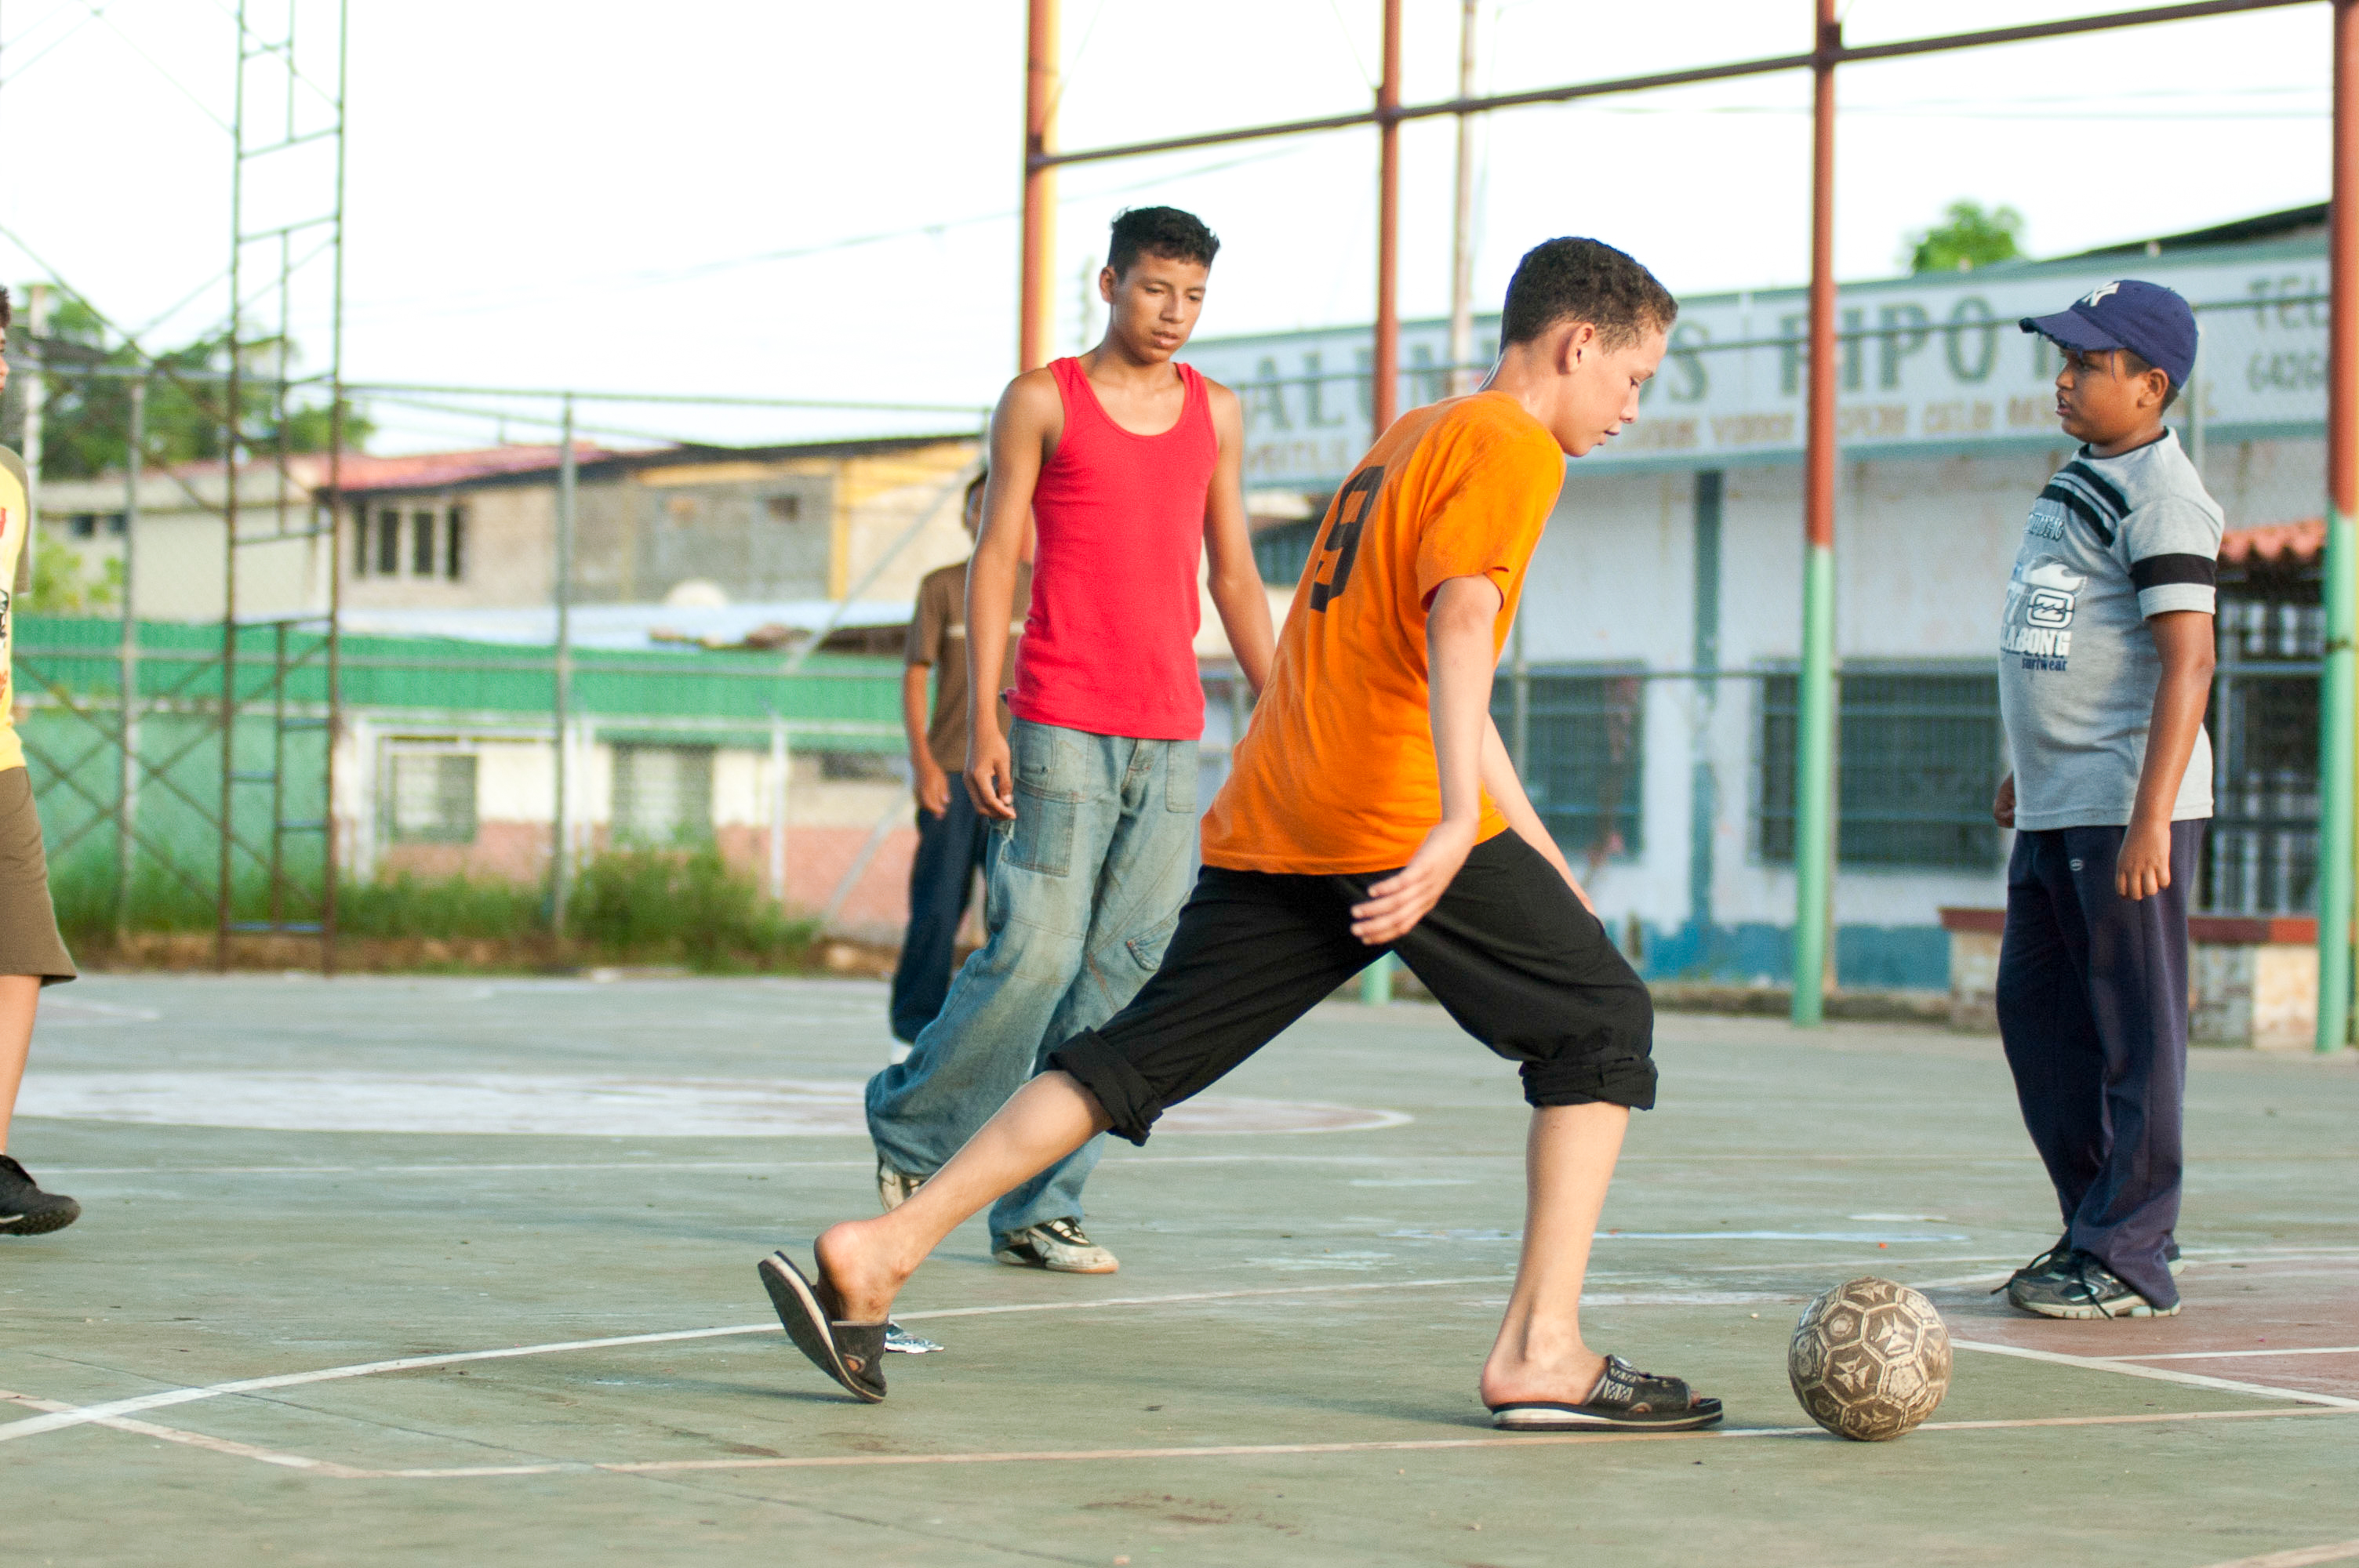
2053	1267
2090	1289
26	1209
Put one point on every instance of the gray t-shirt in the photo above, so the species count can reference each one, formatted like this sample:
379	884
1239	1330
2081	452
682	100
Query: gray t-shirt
2110	542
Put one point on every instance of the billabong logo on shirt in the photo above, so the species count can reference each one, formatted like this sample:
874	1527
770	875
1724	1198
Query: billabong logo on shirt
2040	600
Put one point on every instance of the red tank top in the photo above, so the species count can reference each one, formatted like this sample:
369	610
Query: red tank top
1109	647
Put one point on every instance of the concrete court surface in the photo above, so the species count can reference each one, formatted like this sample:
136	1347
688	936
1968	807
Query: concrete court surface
462	1271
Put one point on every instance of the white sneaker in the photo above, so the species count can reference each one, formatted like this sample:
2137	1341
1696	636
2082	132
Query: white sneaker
1057	1245
896	1187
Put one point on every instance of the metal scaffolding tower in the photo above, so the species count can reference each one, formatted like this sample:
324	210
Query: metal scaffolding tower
287	225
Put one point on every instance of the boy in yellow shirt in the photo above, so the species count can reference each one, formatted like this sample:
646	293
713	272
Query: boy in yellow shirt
31	953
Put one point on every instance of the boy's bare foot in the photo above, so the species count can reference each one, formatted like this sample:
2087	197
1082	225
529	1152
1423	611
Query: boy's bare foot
1568	1376
857	1280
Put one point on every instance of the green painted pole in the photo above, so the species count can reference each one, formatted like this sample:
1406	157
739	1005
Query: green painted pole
1814	798
1377	982
2336	696
1814	785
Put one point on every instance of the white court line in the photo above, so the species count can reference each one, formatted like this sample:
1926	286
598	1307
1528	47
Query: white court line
86	1414
197	1440
2129	1369
1230	1450
34	1426
2231	1355
2299	1557
90	1414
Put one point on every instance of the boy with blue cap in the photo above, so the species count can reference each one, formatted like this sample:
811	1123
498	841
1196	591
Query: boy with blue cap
2104	667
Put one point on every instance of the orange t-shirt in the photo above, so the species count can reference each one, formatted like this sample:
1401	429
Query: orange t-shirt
1337	773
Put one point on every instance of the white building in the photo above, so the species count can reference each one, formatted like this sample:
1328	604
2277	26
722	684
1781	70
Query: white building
1662	622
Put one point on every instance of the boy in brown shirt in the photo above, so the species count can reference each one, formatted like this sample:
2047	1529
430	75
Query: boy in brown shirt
953	839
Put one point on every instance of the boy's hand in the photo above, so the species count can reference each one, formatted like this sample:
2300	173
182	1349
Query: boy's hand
1395	904
932	787
2142	867
2003	808
991	774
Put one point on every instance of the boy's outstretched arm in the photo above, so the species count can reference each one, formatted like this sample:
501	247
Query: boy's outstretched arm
2183	638
1025	429
1506	793
1235	579
1459	657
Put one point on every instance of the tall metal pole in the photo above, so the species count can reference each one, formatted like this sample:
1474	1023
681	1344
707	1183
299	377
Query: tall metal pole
2337	690
1464	375
126	800
232	423
330	862
1037	308
1814	738
1386	369
37	398
562	857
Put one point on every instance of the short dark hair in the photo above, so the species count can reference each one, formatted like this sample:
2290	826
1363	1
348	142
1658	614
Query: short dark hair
2137	365
1584	280
8	312
1164	232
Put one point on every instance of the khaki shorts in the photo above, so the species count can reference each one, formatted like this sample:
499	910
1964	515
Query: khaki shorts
29	942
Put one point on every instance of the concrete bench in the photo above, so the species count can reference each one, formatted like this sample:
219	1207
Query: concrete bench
2253	979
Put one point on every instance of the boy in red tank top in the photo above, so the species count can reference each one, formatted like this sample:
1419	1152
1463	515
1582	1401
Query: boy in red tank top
1129	467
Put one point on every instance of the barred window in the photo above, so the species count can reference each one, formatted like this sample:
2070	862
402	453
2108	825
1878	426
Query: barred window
429	795
1585	735
2261	853
1282	550
663	794
1920	756
421	540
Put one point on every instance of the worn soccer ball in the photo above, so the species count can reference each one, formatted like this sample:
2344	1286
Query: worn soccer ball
1870	1360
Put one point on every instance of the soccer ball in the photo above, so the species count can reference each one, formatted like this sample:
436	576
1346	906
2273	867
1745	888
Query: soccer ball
1870	1360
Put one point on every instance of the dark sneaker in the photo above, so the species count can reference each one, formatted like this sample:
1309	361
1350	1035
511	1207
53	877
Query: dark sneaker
894	1188
2051	1267
1057	1246
26	1209
2090	1289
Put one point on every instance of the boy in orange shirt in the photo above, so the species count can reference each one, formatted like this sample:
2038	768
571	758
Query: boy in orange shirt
1373	807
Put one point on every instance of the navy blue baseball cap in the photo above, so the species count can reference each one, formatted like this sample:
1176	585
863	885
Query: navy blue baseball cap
2151	322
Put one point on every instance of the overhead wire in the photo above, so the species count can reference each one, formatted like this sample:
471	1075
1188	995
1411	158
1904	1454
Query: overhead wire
80	23
98	13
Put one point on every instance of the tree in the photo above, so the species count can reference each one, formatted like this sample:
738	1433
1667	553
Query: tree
1968	237
86	419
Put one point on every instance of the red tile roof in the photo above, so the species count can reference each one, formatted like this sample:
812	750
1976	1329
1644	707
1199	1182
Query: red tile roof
2291	544
433	470
417	470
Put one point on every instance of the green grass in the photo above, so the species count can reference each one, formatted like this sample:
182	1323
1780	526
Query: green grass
629	905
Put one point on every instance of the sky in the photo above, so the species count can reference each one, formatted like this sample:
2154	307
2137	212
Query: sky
789	200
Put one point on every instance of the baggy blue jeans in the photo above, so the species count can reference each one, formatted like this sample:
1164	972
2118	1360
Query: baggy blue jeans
1079	900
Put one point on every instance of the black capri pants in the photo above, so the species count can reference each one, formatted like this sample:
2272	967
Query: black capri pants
1508	951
